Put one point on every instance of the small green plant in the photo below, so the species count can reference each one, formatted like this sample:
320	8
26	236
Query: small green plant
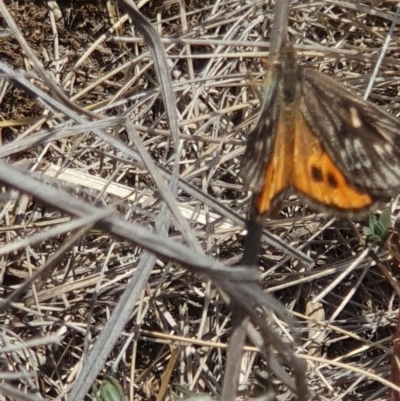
110	390
378	230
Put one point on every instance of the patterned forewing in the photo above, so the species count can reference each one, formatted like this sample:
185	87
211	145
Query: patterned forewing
276	175
316	177
260	141
362	139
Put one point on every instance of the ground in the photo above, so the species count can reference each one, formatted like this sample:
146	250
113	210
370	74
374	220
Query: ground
67	97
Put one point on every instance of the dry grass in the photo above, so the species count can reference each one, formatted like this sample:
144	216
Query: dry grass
81	154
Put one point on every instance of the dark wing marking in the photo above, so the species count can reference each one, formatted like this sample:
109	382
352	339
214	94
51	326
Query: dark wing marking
362	139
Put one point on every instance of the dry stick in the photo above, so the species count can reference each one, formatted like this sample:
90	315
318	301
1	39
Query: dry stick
54	260
240	319
279	28
269	339
382	54
54	89
124	309
15	394
115	224
169	195
395	363
157	50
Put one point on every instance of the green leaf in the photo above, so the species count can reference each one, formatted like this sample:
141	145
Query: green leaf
372	223
110	390
379	229
385	219
367	232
